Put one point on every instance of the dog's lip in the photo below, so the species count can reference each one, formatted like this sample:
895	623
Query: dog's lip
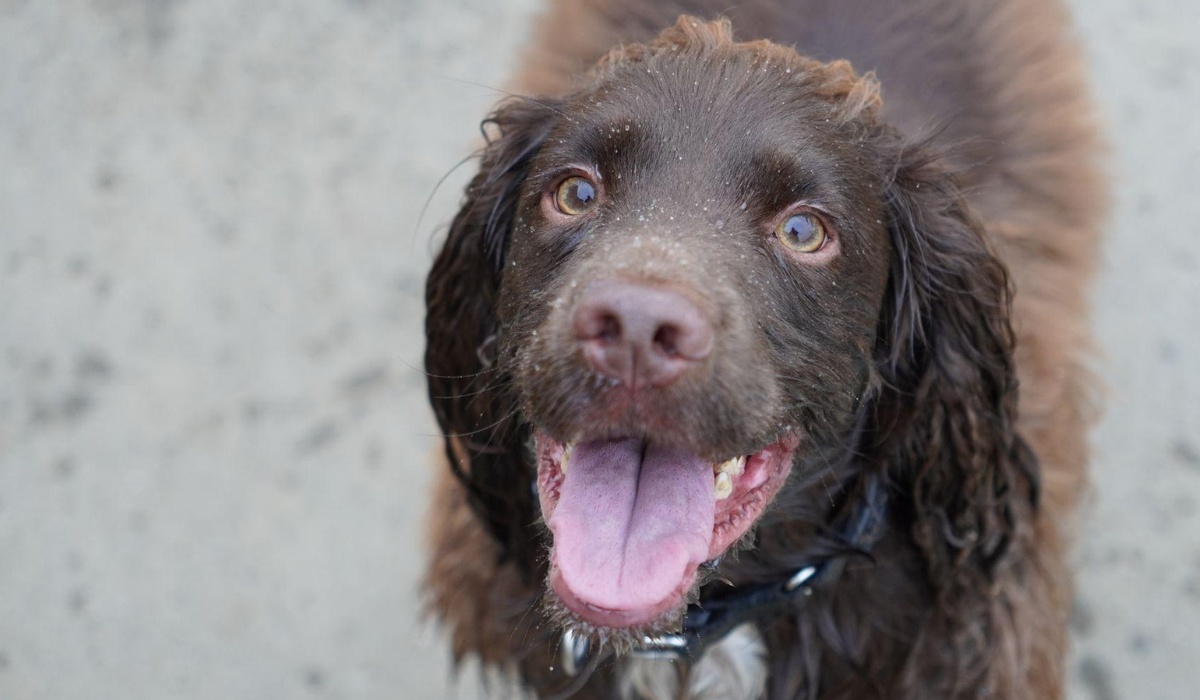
768	469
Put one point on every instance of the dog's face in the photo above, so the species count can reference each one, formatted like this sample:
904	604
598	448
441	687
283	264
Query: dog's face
688	306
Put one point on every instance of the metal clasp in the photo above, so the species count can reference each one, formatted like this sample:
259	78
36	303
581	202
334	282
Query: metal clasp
661	646
573	652
800	578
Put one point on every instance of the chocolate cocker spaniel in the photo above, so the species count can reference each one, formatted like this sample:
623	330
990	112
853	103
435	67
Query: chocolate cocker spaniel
726	342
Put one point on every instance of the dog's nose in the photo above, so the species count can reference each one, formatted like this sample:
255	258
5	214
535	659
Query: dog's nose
639	334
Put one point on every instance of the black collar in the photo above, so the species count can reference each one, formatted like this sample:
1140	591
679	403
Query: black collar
708	621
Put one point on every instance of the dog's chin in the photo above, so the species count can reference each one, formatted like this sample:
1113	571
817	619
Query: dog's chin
619	638
635	525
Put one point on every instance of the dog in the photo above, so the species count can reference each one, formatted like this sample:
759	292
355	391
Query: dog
726	340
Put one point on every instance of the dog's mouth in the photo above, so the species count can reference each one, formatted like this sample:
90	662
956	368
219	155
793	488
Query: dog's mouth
633	522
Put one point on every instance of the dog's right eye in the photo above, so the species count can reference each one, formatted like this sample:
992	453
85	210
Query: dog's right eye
575	196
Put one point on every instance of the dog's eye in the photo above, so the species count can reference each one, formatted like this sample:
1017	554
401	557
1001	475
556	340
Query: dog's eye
575	196
803	233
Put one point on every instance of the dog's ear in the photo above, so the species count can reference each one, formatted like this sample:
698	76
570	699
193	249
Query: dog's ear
946	415
471	399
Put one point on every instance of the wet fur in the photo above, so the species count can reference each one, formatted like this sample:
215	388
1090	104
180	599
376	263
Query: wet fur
985	134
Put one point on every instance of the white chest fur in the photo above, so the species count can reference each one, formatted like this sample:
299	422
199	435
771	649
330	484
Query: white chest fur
733	669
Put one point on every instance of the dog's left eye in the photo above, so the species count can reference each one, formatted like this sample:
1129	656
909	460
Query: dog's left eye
803	233
575	196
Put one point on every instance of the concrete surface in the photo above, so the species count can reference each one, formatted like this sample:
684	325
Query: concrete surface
212	434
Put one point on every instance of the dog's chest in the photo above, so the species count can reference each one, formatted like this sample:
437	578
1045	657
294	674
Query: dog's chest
733	669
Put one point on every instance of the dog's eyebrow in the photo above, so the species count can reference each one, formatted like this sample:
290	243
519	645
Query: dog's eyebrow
610	139
782	176
619	143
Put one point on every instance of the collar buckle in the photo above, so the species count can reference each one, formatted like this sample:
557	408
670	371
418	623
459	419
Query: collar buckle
662	646
800	578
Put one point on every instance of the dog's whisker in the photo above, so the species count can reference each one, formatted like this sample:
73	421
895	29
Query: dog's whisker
437	186
514	95
476	431
537	599
498	384
448	376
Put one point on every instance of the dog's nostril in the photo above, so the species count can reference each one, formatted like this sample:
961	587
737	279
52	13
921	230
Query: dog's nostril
609	328
666	339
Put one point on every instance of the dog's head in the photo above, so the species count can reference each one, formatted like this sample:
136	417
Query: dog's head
710	266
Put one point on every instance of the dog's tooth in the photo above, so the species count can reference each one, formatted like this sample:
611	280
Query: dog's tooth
566	457
733	467
723	486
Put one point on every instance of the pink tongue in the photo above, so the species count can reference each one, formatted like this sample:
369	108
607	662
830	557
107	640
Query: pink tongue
632	523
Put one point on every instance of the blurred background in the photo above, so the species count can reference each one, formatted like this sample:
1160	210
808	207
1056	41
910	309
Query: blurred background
213	435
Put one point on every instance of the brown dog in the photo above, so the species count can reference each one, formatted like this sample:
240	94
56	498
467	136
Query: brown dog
723	343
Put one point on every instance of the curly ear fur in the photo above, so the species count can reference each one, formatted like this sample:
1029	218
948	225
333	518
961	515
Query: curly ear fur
470	398
946	417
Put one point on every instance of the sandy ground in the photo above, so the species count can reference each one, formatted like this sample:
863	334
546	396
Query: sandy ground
212	434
